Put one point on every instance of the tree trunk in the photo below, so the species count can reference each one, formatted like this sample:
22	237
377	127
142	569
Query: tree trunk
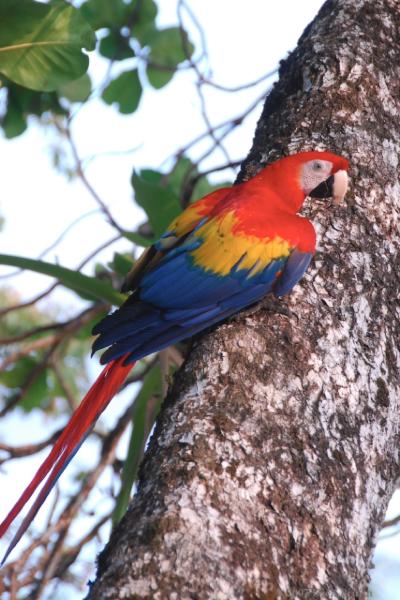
276	452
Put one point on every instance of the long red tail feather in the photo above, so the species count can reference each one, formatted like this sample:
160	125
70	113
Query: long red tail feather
69	442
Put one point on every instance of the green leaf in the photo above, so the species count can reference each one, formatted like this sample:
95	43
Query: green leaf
77	90
144	416
88	286
151	176
13	122
22	102
33	102
19	374
105	13
41	44
168	48
36	393
138	238
115	46
13	378
143	22
182	174
182	171
160	203
122	263
125	90
158	77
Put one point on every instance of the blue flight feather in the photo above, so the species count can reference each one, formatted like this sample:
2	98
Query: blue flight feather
294	270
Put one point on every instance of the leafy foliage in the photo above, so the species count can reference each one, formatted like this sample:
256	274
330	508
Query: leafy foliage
41	44
168	48
28	379
125	90
186	181
159	201
22	102
19	375
77	90
88	287
122	264
103	13
41	49
162	196
115	46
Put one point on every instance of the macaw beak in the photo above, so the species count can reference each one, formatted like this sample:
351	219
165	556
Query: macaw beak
334	187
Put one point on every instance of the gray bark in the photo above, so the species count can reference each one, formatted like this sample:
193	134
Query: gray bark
277	449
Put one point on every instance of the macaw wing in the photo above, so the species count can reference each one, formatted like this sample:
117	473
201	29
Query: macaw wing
212	267
294	269
175	235
208	276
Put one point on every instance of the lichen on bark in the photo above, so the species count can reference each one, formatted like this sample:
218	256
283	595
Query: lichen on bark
277	449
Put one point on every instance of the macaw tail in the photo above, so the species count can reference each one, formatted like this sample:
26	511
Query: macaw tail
69	442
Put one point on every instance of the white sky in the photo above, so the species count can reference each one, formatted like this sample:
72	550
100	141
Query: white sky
244	40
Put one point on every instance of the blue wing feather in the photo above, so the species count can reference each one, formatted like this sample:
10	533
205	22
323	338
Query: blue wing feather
167	314
294	270
177	298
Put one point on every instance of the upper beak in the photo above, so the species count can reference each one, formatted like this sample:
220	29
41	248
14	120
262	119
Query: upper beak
334	187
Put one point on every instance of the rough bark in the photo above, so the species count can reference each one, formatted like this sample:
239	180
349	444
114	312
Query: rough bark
277	449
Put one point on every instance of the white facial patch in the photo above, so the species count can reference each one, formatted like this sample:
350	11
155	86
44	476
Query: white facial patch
313	173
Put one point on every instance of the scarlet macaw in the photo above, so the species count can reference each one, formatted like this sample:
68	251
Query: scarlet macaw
223	253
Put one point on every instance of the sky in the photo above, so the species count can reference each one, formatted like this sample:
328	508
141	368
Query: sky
244	41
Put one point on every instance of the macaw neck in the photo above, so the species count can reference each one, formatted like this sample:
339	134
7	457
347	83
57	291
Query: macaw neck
285	183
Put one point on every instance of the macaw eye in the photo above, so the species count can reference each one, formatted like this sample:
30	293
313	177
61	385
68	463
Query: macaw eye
317	166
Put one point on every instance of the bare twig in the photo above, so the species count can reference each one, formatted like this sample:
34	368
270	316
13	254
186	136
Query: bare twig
44	328
143	372
199	82
32	332
28	348
88	159
27	449
71	554
202	79
55	243
229	124
66	388
391	522
98	249
66	131
28	303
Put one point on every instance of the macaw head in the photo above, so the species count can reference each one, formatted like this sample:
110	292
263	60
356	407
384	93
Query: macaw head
315	174
323	175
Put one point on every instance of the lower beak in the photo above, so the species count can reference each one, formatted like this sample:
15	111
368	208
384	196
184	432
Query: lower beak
334	187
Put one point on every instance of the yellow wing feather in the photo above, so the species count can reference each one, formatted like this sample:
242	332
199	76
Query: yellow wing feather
182	225
221	250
